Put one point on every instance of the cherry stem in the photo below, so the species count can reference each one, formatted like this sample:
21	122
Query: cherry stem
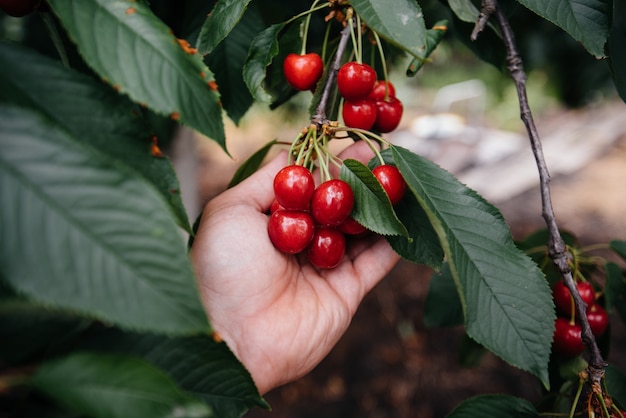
581	383
307	23
556	246
383	62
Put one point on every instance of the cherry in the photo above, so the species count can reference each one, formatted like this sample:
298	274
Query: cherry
327	248
563	299
355	81
379	91
360	114
332	202
303	71
567	338
598	319
290	231
18	8
351	227
293	187
392	181
388	114
275	206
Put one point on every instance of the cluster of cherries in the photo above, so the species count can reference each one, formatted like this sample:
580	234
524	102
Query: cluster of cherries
369	103
316	220
567	331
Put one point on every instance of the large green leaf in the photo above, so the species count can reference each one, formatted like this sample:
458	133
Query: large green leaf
91	111
82	233
400	22
507	302
501	406
218	24
114	386
617	52
128	46
587	21
442	307
251	165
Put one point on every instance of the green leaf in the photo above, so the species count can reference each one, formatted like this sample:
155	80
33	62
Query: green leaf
128	46
442	307
113	386
372	207
91	111
262	51
616	384
251	165
617	53
82	233
619	247
508	304
401	22
219	23
501	406
433	37
587	21
615	287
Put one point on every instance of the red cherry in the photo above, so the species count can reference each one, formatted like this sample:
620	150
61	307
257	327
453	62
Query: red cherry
355	81
18	8
388	114
290	231
303	71
567	338
598	319
360	114
379	91
275	206
332	202
392	181
293	187
327	248
563	299
352	227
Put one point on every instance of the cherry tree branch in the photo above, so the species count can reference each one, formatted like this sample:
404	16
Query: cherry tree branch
556	246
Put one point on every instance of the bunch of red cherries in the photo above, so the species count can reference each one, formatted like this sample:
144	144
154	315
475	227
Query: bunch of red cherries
316	219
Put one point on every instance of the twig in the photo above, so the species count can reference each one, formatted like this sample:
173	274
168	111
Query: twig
556	246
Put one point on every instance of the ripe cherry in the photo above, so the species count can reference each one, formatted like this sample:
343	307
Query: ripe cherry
388	114
332	202
290	231
563	299
392	181
293	187
275	206
360	114
379	91
567	338
327	248
598	319
303	71
18	8
355	81
352	227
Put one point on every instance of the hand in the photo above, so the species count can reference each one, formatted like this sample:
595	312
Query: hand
277	313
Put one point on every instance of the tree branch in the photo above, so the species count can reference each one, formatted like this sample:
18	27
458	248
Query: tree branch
556	246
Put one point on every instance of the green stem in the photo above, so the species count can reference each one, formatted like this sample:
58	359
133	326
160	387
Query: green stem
581	382
603	404
355	45
325	44
307	23
359	38
307	12
383	62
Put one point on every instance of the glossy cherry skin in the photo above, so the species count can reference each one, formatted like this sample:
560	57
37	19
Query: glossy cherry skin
275	206
355	81
290	231
360	114
388	114
332	202
598	319
379	91
303	71
352	227
567	338
563	299
18	8
327	248
293	187
392	181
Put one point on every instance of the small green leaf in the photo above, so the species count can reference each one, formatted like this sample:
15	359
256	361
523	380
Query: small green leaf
260	55
508	304
619	247
615	287
615	381
251	165
129	47
501	406
219	23
616	51
372	207
113	386
433	37
443	307
401	22
82	233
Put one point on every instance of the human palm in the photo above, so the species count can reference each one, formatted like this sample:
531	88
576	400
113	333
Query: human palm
278	313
